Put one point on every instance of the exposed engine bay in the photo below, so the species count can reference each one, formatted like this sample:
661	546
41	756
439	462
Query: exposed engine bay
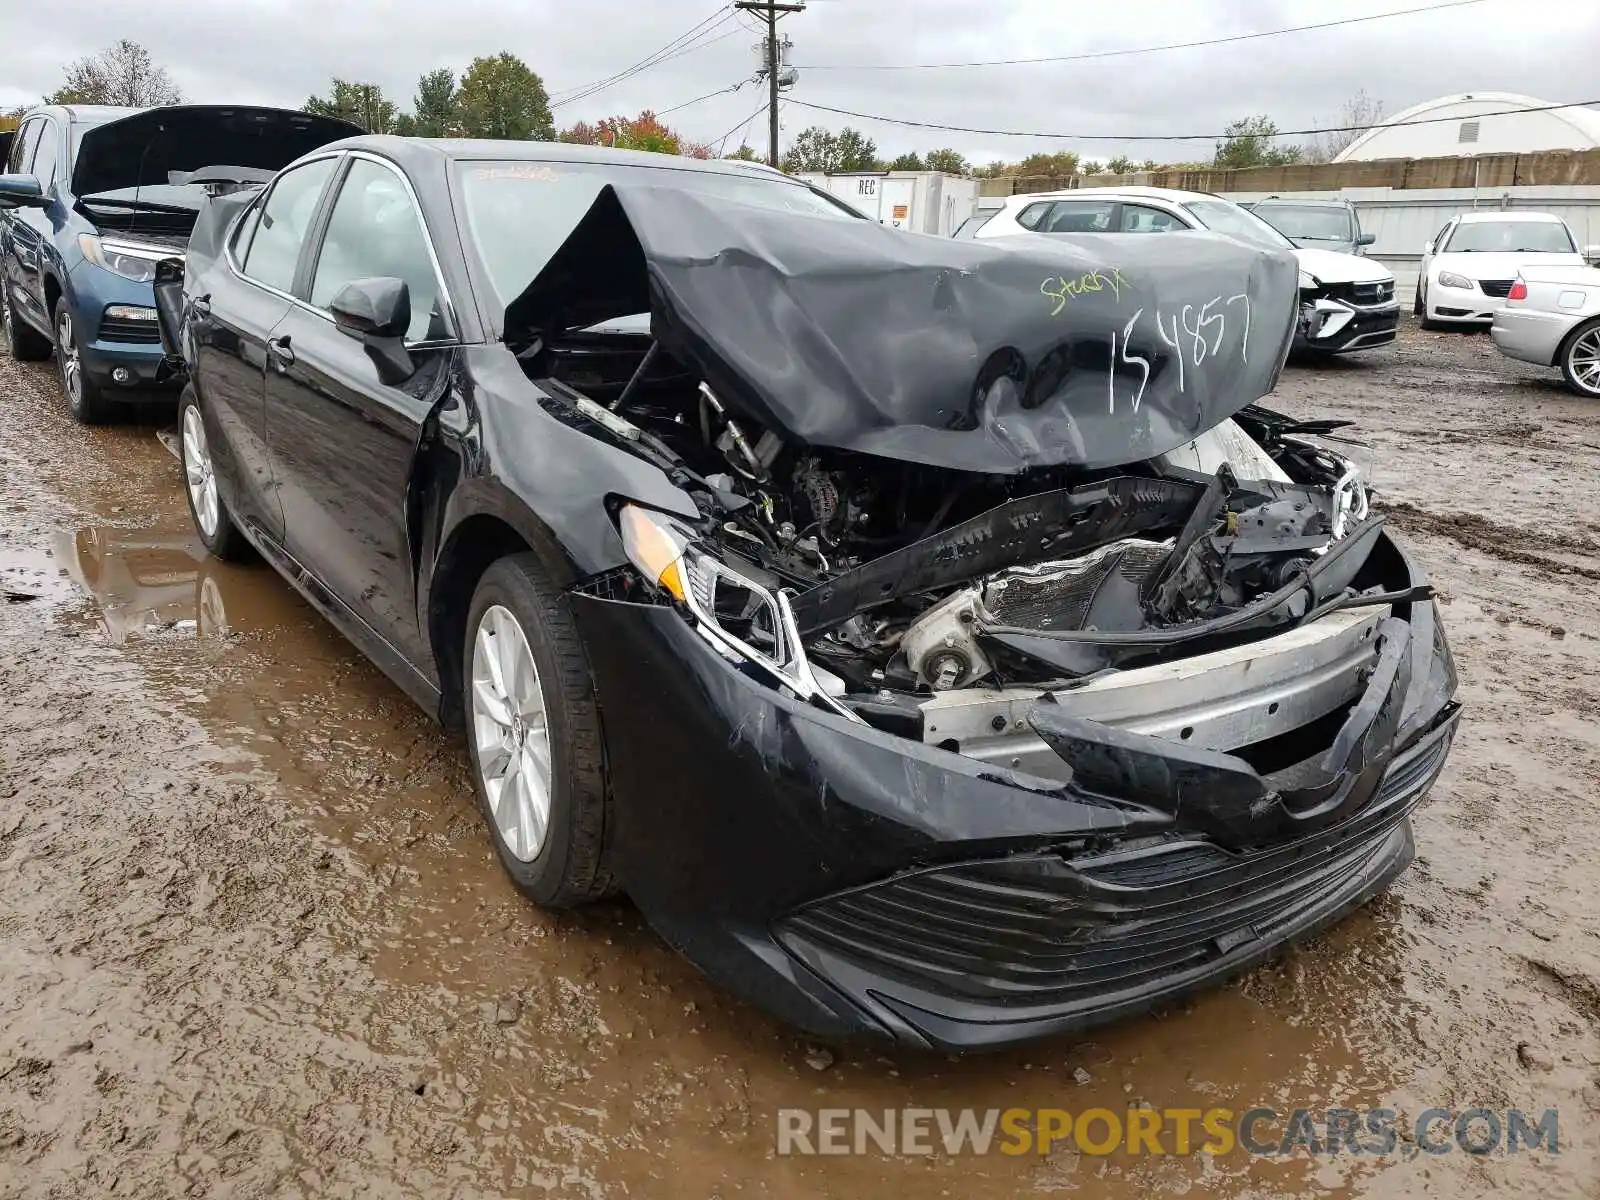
893	591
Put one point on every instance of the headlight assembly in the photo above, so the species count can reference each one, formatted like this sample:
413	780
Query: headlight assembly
137	265
1452	280
742	618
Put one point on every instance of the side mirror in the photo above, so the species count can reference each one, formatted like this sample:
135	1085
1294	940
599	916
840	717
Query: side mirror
378	313
1592	253
1427	247
21	191
1366	239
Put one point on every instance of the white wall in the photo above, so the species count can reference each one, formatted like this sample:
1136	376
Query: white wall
1514	133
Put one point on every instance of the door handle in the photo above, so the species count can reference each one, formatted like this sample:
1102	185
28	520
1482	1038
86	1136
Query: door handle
281	353
200	306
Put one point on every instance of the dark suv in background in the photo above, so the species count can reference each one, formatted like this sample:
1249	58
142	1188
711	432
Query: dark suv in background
91	200
1315	224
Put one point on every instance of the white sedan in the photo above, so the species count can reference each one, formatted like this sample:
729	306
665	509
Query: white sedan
1346	300
1552	317
1469	268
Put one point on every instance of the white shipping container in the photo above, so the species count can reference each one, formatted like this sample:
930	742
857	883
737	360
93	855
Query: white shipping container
921	201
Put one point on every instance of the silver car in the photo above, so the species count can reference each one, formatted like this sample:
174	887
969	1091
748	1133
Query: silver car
1552	317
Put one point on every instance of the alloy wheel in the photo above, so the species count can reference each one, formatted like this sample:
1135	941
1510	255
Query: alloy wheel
1583	361
511	733
198	474
5	316
71	363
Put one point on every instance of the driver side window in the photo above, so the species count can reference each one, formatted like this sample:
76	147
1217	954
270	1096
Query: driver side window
375	232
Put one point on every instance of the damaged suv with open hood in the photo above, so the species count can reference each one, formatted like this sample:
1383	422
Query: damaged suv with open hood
932	637
92	198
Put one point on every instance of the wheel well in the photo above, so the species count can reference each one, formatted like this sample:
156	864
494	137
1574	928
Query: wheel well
1572	336
475	545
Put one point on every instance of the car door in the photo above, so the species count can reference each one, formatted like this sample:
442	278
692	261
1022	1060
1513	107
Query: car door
343	440
21	236
235	307
38	226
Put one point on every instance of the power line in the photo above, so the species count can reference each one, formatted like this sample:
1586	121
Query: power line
707	96
1063	58
678	45
1175	137
744	124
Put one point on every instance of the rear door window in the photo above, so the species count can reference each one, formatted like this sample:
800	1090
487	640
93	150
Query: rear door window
1080	216
286	217
22	148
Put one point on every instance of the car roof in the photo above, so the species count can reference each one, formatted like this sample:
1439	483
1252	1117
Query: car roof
87	114
415	149
1480	217
1298	202
1131	192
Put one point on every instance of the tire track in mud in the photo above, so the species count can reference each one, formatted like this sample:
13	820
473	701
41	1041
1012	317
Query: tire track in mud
1505	542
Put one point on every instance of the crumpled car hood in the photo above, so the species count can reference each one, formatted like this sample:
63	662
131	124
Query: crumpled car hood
141	150
995	356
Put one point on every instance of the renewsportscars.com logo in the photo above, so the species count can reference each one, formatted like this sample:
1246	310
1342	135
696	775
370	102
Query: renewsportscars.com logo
1098	1131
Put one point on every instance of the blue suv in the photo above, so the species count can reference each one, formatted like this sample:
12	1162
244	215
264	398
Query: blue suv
91	200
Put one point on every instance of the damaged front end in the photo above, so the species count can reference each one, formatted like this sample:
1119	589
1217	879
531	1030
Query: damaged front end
977	719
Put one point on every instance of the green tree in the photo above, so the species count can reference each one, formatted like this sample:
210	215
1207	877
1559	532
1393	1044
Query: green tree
857	152
1251	142
500	97
949	161
1059	165
123	73
362	103
1121	165
907	162
746	153
995	170
814	149
434	107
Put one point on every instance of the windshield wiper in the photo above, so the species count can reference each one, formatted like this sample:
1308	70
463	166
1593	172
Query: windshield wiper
138	205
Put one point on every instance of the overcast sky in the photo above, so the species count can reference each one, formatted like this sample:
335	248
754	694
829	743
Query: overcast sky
281	51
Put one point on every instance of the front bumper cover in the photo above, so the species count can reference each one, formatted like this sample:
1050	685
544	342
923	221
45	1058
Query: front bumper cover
852	882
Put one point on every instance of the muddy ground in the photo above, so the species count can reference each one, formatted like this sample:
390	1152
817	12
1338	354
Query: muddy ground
253	941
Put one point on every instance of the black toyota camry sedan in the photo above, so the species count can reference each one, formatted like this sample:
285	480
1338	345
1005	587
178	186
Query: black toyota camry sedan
934	638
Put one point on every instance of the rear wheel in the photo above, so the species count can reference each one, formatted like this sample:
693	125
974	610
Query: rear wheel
211	518
84	397
533	734
25	342
1580	359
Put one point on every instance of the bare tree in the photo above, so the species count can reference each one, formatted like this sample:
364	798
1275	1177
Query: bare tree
1360	113
121	74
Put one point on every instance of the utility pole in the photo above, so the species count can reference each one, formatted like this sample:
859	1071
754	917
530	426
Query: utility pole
771	8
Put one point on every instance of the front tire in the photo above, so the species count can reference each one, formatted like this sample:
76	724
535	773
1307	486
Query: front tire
207	508
533	735
1423	320
84	397
1580	359
26	343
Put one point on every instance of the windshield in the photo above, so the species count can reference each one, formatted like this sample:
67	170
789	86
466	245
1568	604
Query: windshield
1309	222
518	213
1224	216
1526	237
